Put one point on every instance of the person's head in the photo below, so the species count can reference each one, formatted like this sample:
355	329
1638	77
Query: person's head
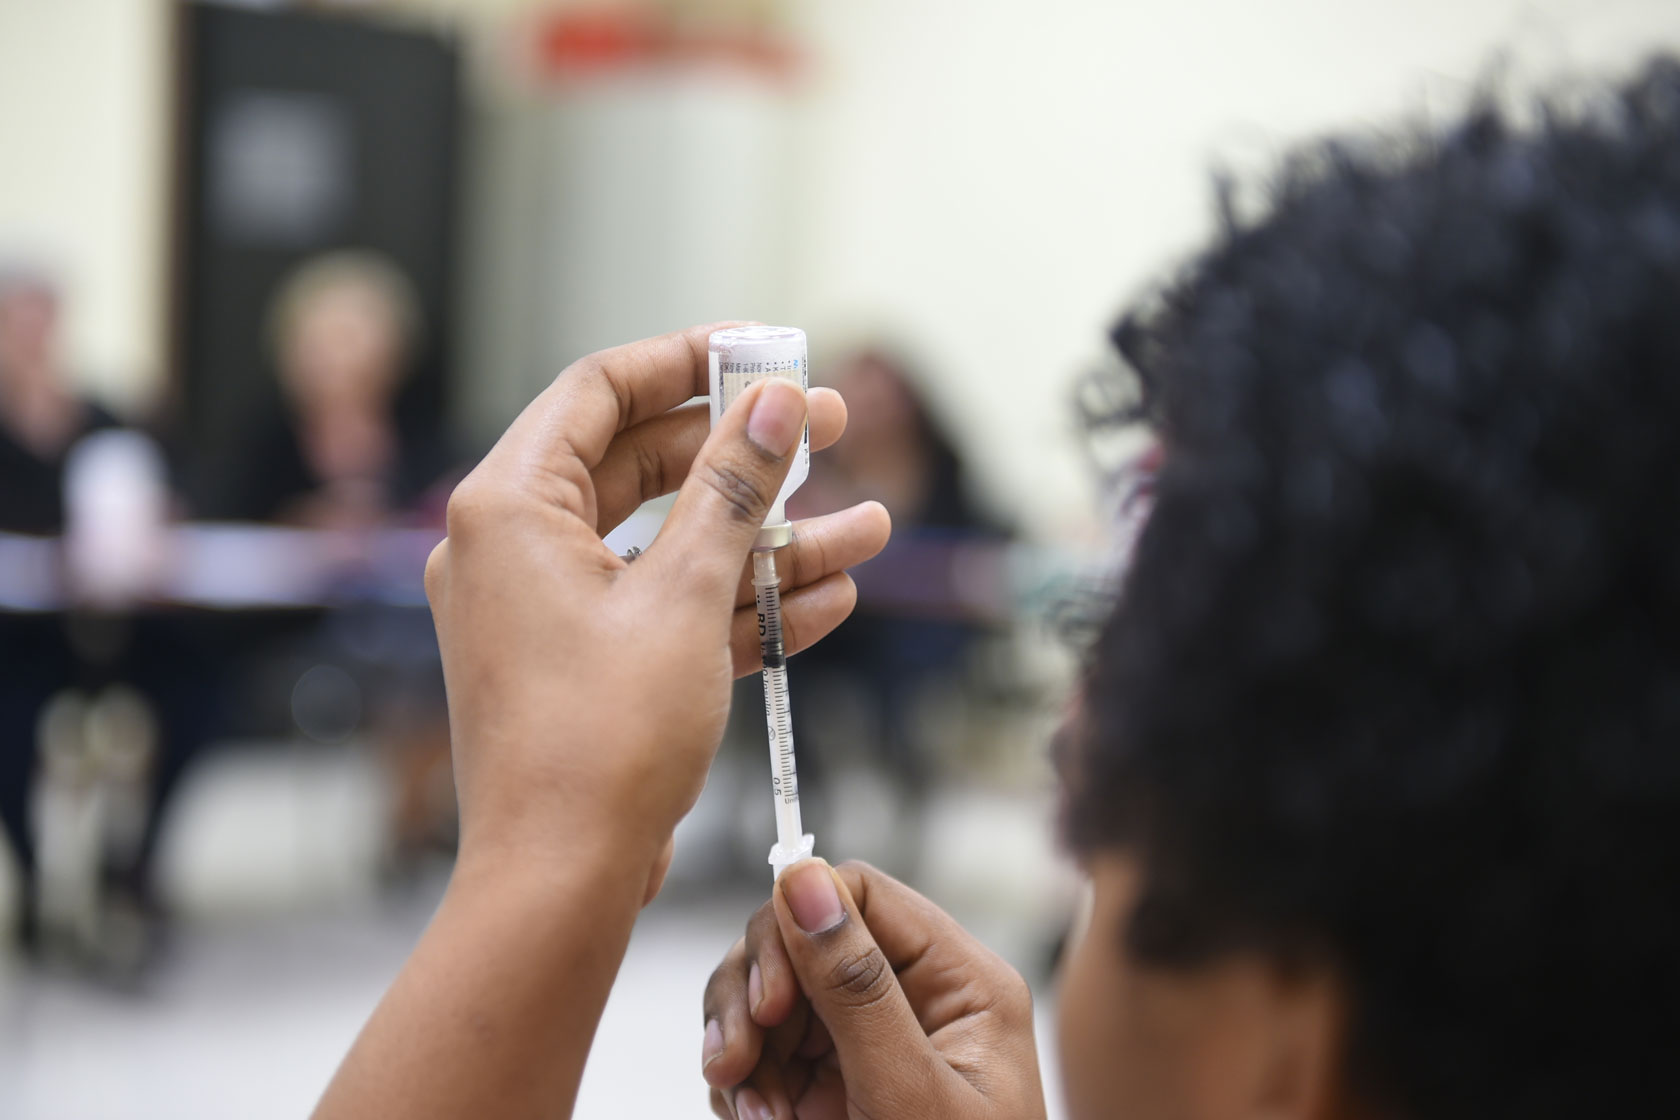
1377	765
343	327
883	398
29	314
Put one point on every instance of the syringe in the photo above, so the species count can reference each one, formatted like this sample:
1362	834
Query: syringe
793	843
740	356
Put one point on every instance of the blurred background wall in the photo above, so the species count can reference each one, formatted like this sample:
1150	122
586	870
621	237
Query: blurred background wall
987	179
84	96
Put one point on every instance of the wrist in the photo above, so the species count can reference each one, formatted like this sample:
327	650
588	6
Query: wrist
596	813
557	864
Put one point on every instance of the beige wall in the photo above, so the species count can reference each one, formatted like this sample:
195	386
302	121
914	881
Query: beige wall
83	98
998	176
989	177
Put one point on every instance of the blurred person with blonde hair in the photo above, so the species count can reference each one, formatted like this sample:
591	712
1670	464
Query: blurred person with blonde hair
343	329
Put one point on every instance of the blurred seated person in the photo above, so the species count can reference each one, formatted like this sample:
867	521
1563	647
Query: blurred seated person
896	453
102	659
886	658
41	416
345	328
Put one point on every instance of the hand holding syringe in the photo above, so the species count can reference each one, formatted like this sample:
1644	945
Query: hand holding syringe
740	356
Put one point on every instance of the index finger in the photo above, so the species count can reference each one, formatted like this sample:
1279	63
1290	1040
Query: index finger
600	395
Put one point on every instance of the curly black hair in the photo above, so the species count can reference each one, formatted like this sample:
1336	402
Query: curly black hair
1394	680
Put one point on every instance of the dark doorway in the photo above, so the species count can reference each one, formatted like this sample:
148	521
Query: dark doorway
303	133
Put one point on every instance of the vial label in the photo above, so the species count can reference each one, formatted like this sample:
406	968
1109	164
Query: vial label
734	377
742	355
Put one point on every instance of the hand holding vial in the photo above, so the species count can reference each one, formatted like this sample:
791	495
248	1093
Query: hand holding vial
619	674
587	696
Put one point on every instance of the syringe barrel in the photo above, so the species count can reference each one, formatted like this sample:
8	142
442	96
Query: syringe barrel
739	356
778	711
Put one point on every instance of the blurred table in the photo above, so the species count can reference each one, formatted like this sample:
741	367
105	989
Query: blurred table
224	566
228	566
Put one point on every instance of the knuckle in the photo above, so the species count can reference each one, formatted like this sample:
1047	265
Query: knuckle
793	630
861	978
472	505
596	372
650	470
725	978
562	478
587	368
860	876
463	506
587	371
563	489
744	647
764	936
813	560
715	998
1016	998
761	925
739	491
436	565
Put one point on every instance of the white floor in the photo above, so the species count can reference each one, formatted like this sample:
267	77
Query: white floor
285	949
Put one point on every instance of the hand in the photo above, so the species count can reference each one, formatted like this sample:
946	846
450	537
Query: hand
853	996
587	696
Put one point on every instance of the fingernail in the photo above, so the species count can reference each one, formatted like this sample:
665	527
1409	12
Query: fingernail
713	1045
750	1106
778	417
755	988
808	887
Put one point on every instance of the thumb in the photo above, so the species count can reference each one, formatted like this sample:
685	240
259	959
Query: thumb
728	492
886	1060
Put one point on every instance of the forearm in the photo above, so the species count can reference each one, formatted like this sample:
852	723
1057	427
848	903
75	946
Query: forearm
494	1012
